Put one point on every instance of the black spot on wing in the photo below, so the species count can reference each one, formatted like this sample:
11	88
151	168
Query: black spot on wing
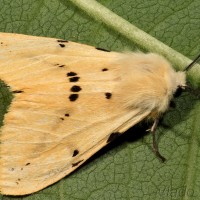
62	45
104	69
62	41
75	153
66	115
18	91
59	65
73	97
113	136
74	79
27	164
101	49
71	74
75	164
75	88
108	95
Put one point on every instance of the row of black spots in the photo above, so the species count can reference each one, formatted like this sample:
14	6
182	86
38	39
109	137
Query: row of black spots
12	169
18	180
77	163
75	88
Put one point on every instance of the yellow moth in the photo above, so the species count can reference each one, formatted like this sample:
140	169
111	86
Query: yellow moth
70	100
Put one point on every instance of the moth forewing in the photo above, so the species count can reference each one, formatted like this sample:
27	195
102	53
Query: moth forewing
69	101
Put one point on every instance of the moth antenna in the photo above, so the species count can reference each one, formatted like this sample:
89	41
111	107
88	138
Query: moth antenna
196	60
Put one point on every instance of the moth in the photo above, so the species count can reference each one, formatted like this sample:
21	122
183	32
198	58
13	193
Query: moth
70	100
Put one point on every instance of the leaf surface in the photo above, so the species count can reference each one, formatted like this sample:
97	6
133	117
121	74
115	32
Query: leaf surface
126	169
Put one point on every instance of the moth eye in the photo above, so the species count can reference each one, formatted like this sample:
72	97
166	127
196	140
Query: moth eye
178	92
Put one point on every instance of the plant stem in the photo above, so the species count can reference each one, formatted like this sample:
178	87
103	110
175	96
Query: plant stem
134	34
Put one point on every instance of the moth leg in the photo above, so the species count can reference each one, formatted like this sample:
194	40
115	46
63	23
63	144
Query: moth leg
155	145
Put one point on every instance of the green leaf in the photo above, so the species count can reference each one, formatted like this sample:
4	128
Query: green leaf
126	169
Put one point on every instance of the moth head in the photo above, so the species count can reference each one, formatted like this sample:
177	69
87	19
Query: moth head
176	83
181	78
180	84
